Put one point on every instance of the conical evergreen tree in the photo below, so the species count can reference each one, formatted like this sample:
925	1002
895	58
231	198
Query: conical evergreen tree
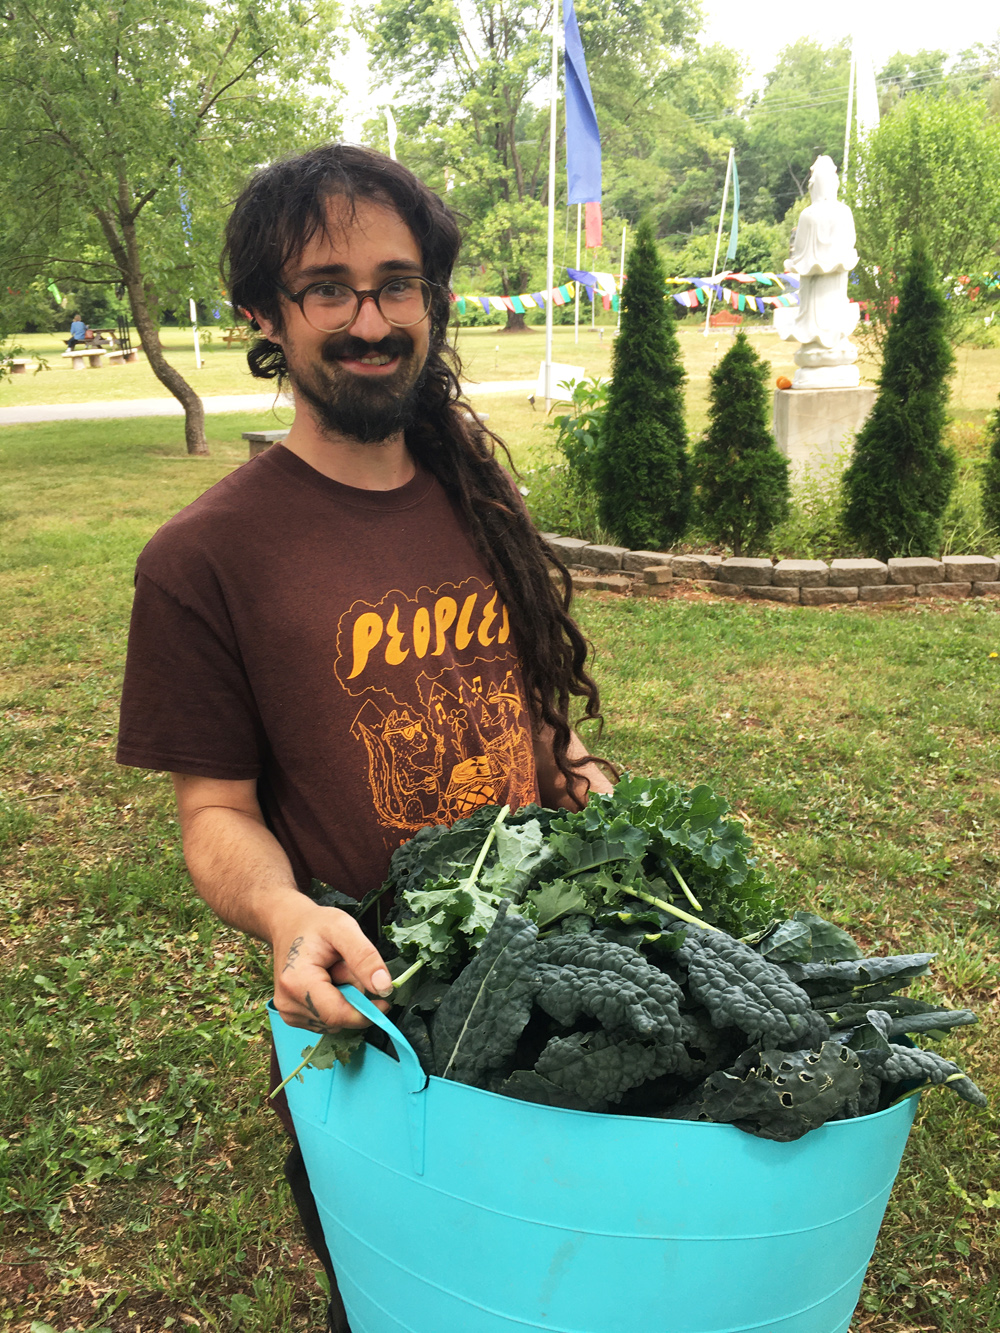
991	473
741	478
645	486
899	481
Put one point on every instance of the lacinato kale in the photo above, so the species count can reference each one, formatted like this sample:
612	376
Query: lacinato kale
741	989
631	958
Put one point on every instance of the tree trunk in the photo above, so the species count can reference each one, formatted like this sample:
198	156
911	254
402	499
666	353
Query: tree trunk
515	323
194	409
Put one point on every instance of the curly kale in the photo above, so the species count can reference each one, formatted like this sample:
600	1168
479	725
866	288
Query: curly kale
741	989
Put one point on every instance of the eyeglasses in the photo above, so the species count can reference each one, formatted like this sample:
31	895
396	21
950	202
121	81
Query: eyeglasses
332	306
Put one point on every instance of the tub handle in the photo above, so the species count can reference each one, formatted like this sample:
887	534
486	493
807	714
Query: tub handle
414	1078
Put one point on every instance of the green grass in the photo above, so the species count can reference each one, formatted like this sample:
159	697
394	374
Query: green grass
140	1182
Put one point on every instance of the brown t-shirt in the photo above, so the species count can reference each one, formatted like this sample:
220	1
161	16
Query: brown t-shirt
344	647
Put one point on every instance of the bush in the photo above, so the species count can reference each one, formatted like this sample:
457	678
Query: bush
645	485
558	503
901	477
580	433
741	477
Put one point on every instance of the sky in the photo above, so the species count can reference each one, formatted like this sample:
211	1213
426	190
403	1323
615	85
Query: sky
760	28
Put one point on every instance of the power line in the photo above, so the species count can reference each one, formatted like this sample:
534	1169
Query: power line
811	101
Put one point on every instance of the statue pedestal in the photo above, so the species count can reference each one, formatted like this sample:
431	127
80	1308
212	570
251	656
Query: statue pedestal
812	426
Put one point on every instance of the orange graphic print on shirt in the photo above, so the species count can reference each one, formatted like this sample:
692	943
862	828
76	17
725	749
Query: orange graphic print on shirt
441	713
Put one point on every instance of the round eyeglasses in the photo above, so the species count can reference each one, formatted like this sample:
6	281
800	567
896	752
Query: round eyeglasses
332	306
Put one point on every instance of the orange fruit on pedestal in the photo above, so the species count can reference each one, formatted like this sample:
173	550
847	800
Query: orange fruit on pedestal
783	382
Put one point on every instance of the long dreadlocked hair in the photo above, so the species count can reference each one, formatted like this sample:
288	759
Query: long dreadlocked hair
281	208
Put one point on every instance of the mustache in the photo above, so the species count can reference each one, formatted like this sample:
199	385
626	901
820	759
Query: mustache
393	344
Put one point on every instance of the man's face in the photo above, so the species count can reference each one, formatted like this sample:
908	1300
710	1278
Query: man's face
361	381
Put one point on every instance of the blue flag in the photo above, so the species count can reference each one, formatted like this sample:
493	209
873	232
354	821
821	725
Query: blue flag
583	141
734	231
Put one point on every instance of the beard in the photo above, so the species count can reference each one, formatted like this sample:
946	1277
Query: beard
369	411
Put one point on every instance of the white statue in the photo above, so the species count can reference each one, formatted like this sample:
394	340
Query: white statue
823	254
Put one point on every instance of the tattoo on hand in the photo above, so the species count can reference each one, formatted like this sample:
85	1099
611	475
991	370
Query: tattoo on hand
293	953
310	1006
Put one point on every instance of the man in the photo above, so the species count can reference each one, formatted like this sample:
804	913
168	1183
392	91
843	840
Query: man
355	634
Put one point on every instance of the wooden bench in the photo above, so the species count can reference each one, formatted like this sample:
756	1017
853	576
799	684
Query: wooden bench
93	356
240	333
724	319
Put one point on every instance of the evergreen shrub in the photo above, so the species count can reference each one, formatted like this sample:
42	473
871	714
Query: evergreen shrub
901	477
644	478
741	478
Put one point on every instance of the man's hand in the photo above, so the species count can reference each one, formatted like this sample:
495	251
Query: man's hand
316	949
241	871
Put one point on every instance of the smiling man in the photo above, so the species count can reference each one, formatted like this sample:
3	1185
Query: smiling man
355	634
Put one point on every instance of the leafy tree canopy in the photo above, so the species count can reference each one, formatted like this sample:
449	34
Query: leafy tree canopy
127	131
933	166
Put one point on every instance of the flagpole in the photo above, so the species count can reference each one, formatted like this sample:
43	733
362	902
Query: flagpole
621	275
550	261
718	239
850	115
576	312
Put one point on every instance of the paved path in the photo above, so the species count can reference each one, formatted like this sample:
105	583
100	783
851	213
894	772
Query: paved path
214	403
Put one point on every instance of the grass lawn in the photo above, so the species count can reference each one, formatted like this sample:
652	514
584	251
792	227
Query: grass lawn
487	354
140	1180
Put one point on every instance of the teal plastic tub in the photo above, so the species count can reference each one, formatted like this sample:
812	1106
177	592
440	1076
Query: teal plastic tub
451	1210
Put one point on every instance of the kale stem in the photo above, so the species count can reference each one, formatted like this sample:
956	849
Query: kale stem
410	971
684	888
470	882
306	1057
667	907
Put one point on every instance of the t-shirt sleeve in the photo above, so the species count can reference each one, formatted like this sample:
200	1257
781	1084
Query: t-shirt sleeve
187	706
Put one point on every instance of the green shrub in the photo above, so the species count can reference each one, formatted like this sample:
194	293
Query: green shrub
901	477
741	477
580	432
558	503
645	484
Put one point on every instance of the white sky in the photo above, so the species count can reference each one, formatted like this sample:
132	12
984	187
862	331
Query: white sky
760	28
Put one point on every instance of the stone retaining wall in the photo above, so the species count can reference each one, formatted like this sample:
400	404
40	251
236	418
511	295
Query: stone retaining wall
802	582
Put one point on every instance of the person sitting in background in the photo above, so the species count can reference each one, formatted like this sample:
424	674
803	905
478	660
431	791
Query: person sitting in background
77	333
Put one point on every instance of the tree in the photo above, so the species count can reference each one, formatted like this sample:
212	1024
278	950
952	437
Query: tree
899	481
798	116
465	76
932	166
127	129
991	473
645	485
741	478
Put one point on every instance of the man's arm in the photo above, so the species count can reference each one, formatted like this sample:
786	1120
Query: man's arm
241	871
552	784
